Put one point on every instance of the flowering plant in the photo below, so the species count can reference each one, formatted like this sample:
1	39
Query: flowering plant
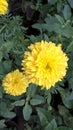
36	65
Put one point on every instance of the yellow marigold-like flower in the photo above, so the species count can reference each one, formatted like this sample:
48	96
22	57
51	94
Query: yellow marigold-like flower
45	64
3	6
15	83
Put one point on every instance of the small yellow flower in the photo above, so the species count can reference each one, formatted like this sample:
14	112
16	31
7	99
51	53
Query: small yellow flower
3	7
15	83
45	64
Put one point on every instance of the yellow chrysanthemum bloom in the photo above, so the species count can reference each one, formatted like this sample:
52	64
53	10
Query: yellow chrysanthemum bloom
15	83
3	6
45	64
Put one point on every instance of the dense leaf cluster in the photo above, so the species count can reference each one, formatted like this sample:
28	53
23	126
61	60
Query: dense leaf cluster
26	23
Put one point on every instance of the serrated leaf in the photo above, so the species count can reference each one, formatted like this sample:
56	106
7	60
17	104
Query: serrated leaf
27	110
37	100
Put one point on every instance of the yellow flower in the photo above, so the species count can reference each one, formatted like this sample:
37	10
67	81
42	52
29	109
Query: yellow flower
15	83
3	6
45	64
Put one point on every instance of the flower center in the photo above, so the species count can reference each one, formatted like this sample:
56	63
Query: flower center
48	66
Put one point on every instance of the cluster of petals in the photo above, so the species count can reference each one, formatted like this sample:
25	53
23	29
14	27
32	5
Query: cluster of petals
3	7
15	83
45	64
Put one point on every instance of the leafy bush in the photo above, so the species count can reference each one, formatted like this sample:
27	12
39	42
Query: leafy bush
30	22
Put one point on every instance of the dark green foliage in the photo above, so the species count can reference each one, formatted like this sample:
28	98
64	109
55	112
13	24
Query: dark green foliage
26	23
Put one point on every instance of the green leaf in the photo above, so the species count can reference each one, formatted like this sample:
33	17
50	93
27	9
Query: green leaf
52	125
33	39
7	46
19	103
49	98
64	95
63	128
67	12
38	26
48	27
31	90
28	127
70	47
37	100
1	92
68	104
2	124
70	97
52	2
46	37
5	67
67	117
3	106
27	110
44	116
60	19
59	7
1	55
68	101
66	31
71	3
9	114
70	83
